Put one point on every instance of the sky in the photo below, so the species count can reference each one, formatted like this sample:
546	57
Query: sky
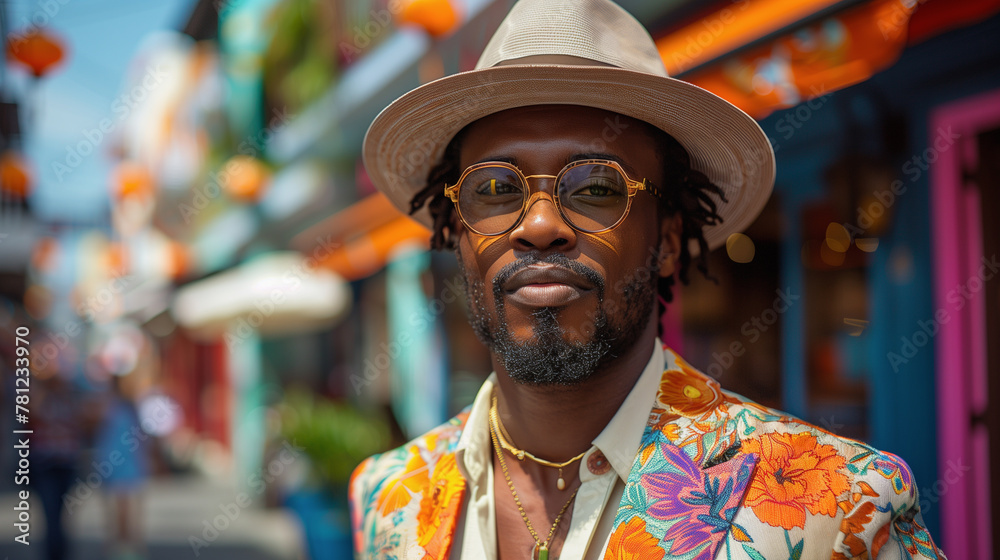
61	113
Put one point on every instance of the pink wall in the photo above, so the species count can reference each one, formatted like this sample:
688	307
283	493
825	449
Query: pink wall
961	343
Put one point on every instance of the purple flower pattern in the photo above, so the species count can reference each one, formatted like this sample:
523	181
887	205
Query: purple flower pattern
702	502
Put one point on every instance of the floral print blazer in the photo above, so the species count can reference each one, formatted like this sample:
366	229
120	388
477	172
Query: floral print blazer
715	476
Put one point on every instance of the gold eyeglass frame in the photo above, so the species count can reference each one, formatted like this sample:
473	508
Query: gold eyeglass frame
526	201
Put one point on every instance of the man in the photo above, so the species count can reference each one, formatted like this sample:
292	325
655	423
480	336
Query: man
574	179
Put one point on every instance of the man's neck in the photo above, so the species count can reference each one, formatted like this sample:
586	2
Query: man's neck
559	422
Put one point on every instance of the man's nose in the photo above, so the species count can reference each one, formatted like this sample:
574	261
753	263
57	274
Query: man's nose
542	227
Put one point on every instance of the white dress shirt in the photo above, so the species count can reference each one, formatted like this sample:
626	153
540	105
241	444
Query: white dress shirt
596	501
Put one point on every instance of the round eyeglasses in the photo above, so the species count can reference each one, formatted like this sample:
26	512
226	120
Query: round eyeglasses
593	196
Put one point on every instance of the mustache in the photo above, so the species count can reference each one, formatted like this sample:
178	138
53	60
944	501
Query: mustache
557	259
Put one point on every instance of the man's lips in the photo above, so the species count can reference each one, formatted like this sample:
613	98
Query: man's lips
545	286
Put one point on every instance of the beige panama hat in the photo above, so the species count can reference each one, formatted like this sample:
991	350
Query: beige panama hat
574	52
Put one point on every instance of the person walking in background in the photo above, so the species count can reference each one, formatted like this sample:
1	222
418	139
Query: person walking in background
124	451
57	440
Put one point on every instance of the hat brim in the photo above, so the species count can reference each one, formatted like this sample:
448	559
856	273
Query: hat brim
409	136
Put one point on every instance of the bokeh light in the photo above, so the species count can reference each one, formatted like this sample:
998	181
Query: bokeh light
837	237
740	248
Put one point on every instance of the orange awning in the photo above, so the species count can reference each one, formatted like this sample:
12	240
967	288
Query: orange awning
837	51
730	28
362	237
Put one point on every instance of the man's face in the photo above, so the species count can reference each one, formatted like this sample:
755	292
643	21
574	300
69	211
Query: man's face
551	302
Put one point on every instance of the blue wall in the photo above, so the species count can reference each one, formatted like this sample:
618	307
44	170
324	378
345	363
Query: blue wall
902	411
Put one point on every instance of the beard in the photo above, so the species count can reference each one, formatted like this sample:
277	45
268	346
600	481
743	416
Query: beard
547	358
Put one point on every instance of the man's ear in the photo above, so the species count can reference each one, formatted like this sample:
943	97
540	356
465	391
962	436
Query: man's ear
670	244
455	228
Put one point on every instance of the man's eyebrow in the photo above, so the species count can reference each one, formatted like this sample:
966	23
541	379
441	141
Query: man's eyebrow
594	155
575	157
504	159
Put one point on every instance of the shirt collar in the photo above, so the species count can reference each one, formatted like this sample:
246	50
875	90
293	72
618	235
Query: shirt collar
473	455
619	441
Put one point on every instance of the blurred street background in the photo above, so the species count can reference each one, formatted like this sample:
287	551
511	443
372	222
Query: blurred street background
176	509
222	317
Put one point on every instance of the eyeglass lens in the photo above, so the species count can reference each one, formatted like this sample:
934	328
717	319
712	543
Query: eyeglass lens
592	197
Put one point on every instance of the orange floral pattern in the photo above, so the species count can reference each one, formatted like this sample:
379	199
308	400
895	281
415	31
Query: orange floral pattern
852	526
795	474
439	506
661	420
689	392
401	491
630	541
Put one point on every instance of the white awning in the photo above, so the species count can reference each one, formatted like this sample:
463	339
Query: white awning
277	294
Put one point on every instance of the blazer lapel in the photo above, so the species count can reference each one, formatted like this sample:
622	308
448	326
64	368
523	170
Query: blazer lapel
687	481
419	497
440	506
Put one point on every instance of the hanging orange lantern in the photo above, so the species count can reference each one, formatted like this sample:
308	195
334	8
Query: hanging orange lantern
245	177
132	180
38	301
178	259
116	259
36	49
15	174
437	17
43	257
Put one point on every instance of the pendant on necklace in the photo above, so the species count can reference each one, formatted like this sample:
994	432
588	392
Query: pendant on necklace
542	550
520	455
561	484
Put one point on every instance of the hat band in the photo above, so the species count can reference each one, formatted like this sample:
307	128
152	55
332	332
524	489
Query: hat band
552	59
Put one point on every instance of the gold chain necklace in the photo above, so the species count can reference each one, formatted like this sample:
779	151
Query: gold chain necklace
541	549
502	435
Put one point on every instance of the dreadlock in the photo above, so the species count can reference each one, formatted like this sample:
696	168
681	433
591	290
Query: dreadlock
687	192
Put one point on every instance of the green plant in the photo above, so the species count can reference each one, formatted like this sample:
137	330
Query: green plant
300	63
336	436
